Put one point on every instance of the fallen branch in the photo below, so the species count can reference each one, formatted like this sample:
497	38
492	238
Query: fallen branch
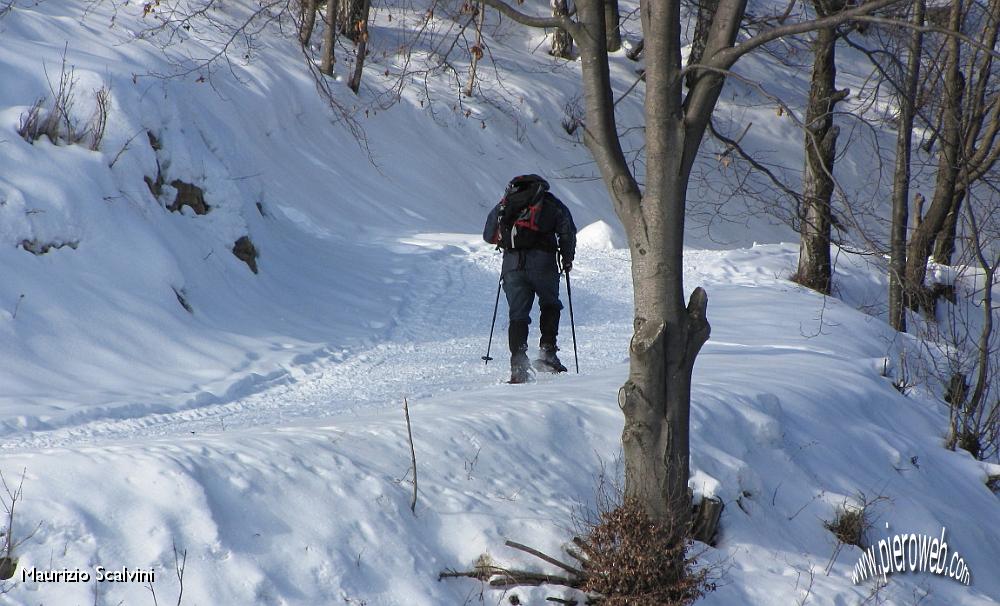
413	456
507	578
546	558
500	577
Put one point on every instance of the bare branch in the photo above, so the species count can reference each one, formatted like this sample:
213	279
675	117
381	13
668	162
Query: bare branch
733	145
562	21
929	29
727	57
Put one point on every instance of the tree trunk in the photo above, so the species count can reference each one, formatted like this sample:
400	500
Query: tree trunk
918	251
362	40
656	399
353	15
703	24
308	20
562	41
944	243
814	269
329	38
906	96
613	32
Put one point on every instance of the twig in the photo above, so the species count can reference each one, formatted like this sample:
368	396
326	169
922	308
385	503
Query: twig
413	456
179	565
17	306
833	558
125	147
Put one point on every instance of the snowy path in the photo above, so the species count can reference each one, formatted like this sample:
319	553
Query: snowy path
432	346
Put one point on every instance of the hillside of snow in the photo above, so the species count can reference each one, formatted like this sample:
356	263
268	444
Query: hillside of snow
158	394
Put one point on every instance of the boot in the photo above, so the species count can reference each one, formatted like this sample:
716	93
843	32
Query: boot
548	324
517	338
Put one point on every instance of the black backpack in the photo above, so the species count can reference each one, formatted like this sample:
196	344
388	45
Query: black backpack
520	214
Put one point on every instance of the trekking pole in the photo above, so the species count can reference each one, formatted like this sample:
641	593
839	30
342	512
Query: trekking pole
487	357
572	324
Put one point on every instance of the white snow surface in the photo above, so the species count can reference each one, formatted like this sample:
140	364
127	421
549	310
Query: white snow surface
263	431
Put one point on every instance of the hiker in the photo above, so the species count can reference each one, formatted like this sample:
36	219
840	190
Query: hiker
531	226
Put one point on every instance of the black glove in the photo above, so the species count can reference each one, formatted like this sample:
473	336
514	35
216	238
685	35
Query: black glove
567	265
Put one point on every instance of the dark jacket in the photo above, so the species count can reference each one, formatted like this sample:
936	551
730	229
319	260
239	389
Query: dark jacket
558	232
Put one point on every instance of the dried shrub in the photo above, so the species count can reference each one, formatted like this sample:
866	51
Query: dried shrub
849	525
57	122
30	127
852	522
99	120
970	441
632	560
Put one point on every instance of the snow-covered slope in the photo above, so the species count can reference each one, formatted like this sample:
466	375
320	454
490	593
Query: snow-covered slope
262	432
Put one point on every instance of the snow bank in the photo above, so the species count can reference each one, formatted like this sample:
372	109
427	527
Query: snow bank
601	236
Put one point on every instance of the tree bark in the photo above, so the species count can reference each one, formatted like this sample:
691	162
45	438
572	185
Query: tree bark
706	13
814	270
353	14
562	41
308	20
613	32
906	96
944	242
329	38
362	40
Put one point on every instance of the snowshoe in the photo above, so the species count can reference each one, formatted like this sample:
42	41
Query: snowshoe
548	361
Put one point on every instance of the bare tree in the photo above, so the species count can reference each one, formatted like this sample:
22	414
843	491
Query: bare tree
814	270
656	399
976	421
967	139
906	95
978	122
